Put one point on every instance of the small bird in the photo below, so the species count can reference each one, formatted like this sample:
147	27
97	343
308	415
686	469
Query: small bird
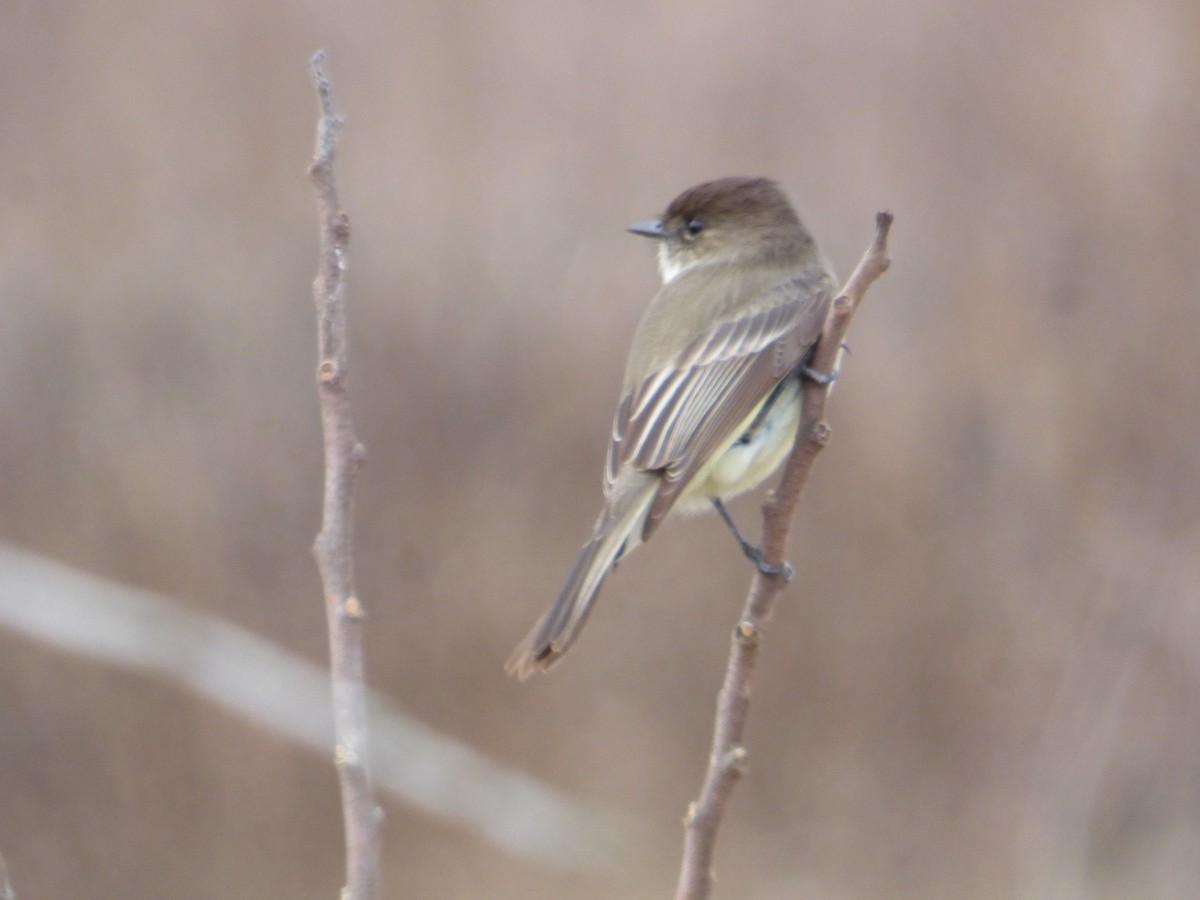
711	398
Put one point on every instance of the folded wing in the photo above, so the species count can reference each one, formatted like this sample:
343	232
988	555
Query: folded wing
682	413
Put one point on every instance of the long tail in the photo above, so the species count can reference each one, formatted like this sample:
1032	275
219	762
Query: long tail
618	531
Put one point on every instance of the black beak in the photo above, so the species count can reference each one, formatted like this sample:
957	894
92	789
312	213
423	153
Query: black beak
651	228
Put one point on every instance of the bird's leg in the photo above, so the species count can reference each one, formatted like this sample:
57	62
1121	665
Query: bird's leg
821	378
751	551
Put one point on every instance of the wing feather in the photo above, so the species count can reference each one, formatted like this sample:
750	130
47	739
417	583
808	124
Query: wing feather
678	415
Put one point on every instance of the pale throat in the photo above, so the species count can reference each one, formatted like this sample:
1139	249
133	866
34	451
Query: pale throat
669	267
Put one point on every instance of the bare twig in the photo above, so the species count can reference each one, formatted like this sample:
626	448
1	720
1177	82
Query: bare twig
334	545
728	758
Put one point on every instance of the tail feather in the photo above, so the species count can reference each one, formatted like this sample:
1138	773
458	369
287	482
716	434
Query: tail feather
617	532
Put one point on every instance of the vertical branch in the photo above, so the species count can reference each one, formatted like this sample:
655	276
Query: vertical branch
727	760
334	545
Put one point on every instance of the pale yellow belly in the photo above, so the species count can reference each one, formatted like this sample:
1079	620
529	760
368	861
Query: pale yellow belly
743	465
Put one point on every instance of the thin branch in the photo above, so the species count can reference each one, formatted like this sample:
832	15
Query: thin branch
334	546
728	757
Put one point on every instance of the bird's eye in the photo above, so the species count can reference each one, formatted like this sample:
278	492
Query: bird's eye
693	228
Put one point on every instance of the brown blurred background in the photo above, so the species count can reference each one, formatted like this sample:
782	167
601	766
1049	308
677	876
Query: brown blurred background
985	680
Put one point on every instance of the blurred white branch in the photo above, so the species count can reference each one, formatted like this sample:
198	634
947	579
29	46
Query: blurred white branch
6	889
269	686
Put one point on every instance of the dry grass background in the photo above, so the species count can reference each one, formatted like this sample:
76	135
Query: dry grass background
985	680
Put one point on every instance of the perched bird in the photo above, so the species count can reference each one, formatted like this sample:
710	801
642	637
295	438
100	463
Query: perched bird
711	398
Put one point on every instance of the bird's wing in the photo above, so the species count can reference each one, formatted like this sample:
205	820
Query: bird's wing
679	415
